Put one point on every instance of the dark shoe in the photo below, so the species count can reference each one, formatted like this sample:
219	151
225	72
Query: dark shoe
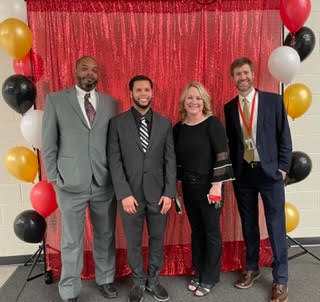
71	300
279	293
247	278
108	290
136	293
158	292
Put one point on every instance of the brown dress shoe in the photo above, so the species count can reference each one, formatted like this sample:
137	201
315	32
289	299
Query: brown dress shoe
247	278
279	293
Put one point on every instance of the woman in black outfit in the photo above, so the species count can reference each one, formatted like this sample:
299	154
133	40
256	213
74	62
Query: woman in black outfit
202	166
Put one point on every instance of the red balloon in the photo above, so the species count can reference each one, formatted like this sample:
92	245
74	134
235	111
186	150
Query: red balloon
294	13
43	198
23	66
37	65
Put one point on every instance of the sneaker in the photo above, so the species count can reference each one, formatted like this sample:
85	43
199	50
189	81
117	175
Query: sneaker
158	292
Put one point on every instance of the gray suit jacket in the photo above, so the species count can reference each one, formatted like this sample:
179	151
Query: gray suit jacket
143	175
72	152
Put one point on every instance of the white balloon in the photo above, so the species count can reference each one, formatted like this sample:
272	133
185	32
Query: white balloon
284	63
30	126
13	9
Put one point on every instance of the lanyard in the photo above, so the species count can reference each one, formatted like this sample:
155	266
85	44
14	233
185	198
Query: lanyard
248	127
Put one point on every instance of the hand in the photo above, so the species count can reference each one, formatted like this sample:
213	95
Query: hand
166	204
129	204
215	190
284	174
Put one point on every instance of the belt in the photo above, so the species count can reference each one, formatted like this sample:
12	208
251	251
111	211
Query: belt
196	178
255	164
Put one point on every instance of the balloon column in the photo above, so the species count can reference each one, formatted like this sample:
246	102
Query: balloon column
19	92
284	63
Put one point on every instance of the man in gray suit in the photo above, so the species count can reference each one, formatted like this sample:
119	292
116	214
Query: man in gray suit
143	169
74	142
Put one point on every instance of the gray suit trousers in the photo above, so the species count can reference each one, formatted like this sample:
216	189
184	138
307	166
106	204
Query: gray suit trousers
102	209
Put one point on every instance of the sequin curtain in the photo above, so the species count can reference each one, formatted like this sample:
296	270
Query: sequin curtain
173	42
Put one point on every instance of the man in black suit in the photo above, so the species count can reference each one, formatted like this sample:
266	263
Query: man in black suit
260	151
143	170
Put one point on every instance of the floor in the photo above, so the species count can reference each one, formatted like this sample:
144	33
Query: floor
5	273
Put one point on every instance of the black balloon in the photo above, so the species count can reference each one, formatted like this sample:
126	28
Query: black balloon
300	168
19	93
303	41
30	226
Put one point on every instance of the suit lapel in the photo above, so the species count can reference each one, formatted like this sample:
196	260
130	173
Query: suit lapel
154	129
235	116
72	95
261	110
132	127
99	107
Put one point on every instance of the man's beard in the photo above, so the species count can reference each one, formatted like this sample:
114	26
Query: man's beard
141	106
246	87
85	85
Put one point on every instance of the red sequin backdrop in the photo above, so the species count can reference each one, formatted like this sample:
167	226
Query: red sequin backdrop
173	42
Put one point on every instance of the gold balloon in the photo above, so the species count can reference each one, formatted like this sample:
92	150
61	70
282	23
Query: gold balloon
15	37
22	163
292	216
297	99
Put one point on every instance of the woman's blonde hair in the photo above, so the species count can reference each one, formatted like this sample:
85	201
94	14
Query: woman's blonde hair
204	95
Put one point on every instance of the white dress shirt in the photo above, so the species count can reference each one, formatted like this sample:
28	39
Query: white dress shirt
249	98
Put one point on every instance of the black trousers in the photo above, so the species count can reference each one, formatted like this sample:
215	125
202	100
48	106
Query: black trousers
206	240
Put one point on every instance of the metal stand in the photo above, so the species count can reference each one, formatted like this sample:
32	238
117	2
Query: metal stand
33	260
305	251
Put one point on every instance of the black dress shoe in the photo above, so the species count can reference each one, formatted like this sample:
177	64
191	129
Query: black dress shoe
158	292
136	293
108	290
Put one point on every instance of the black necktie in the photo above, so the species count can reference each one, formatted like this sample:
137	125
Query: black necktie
144	134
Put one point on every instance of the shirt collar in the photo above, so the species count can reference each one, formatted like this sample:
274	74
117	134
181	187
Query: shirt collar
82	92
137	115
249	97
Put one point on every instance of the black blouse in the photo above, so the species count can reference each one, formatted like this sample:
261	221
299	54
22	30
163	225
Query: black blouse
202	149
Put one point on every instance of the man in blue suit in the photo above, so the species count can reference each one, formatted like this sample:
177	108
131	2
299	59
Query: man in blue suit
260	151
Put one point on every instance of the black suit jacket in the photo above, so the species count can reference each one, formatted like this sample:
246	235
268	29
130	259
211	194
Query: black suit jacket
143	175
273	135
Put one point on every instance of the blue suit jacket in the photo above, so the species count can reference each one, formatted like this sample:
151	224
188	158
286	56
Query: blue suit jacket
273	135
